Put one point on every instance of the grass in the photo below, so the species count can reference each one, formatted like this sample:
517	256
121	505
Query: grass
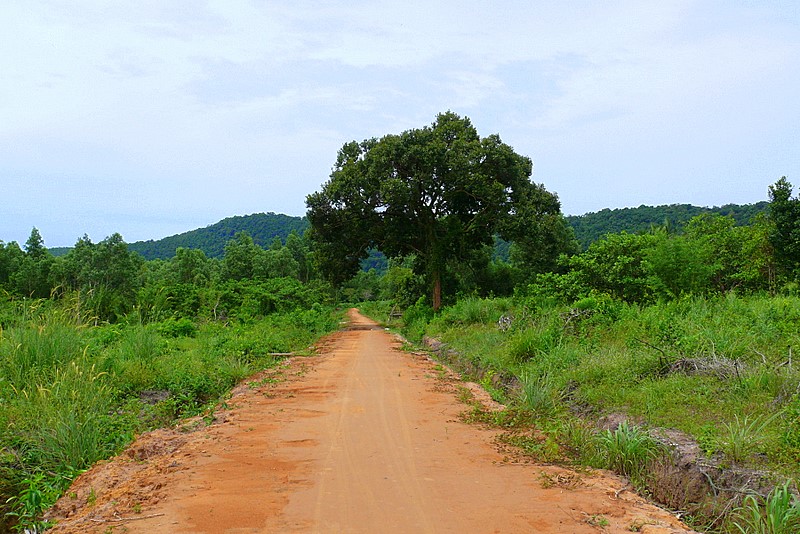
743	437
719	369
539	394
779	513
627	450
72	393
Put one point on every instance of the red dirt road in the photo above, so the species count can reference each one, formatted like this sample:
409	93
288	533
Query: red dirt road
363	438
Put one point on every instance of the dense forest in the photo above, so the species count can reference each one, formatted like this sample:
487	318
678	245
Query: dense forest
674	318
592	226
262	227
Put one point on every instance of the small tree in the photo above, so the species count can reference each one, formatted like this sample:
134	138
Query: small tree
33	275
617	265
784	214
11	256
241	255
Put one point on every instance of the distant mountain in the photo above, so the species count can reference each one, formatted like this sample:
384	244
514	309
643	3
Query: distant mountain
592	226
262	227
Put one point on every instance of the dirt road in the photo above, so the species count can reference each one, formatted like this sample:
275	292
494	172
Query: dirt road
362	438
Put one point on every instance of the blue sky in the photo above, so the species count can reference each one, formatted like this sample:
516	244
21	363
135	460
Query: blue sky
155	117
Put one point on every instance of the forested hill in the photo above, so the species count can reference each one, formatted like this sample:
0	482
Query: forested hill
592	226
262	227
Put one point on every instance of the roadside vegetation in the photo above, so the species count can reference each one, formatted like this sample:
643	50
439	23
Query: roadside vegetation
99	345
596	382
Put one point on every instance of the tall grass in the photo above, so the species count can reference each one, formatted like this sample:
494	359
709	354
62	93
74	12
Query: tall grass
742	437
722	369
779	513
539	394
474	310
627	450
33	352
71	393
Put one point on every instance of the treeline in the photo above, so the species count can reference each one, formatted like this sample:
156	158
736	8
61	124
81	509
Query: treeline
712	255
588	228
674	217
108	280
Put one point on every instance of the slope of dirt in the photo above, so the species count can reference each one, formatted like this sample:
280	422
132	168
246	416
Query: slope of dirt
361	438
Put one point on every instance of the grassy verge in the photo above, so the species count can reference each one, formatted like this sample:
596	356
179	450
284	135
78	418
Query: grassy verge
721	371
72	394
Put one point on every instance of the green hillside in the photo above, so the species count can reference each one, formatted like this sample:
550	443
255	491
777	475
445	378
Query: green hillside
262	227
592	226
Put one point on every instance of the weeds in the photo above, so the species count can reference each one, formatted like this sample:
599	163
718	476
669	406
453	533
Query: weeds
779	513
488	384
579	440
597	520
627	450
539	394
35	497
742	437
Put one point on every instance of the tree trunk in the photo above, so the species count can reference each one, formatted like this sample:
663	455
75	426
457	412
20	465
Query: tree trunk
437	290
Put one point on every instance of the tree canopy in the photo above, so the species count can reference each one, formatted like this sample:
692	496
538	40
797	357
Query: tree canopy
438	193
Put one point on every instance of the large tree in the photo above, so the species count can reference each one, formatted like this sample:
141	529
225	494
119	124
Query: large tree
437	193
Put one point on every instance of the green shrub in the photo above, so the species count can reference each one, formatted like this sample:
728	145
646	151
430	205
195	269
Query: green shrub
177	328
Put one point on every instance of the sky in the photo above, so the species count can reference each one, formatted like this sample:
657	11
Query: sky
155	117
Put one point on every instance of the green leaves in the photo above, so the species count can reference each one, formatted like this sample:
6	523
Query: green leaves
784	214
779	513
439	192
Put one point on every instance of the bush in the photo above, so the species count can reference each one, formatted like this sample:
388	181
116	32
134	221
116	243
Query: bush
177	328
416	319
